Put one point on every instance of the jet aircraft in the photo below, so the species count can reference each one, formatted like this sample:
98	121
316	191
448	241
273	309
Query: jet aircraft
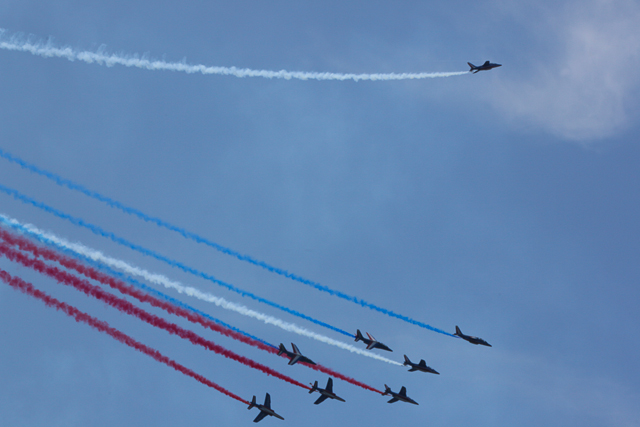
472	340
264	409
422	366
295	356
326	393
486	66
371	342
398	396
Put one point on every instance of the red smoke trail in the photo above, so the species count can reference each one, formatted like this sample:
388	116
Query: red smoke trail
94	274
126	289
126	307
82	317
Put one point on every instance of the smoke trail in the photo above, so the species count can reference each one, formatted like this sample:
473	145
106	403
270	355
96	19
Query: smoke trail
81	317
93	256
125	289
100	232
101	57
192	236
128	308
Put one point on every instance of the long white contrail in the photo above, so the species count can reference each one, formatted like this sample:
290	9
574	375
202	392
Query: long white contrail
102	57
159	279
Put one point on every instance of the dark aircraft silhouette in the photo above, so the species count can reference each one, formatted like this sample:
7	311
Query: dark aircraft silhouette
398	396
472	340
486	66
325	394
422	366
264	409
371	342
295	356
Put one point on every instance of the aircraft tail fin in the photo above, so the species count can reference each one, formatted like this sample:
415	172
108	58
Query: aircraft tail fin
253	403
359	336
314	387
281	349
387	390
458	331
473	67
407	362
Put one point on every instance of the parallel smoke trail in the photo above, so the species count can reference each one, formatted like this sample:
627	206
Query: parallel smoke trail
82	317
101	57
128	308
91	273
100	232
98	259
192	236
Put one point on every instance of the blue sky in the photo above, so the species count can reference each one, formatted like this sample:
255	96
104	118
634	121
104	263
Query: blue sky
504	202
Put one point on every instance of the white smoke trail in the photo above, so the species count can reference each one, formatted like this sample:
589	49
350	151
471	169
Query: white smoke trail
101	57
159	279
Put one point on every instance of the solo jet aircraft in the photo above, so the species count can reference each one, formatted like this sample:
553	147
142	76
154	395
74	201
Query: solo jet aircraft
398	396
264	409
422	366
486	66
472	340
295	356
326	393
371	342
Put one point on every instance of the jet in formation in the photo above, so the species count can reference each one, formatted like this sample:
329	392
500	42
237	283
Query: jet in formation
294	356
326	393
486	66
422	366
264	409
371	341
398	396
472	340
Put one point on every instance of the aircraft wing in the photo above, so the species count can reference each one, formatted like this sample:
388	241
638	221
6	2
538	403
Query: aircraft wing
294	359
260	416
395	399
321	399
403	391
413	368
371	345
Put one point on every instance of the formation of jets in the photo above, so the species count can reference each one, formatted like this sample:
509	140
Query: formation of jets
486	66
327	393
296	356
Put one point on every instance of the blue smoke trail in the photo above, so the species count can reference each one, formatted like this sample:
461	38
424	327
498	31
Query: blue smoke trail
108	270
192	236
99	231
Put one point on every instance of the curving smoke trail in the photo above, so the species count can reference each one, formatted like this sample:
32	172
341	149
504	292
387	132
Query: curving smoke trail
102	57
192	236
100	232
81	317
100	260
125	306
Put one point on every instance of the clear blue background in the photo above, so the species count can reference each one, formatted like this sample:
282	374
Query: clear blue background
505	202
